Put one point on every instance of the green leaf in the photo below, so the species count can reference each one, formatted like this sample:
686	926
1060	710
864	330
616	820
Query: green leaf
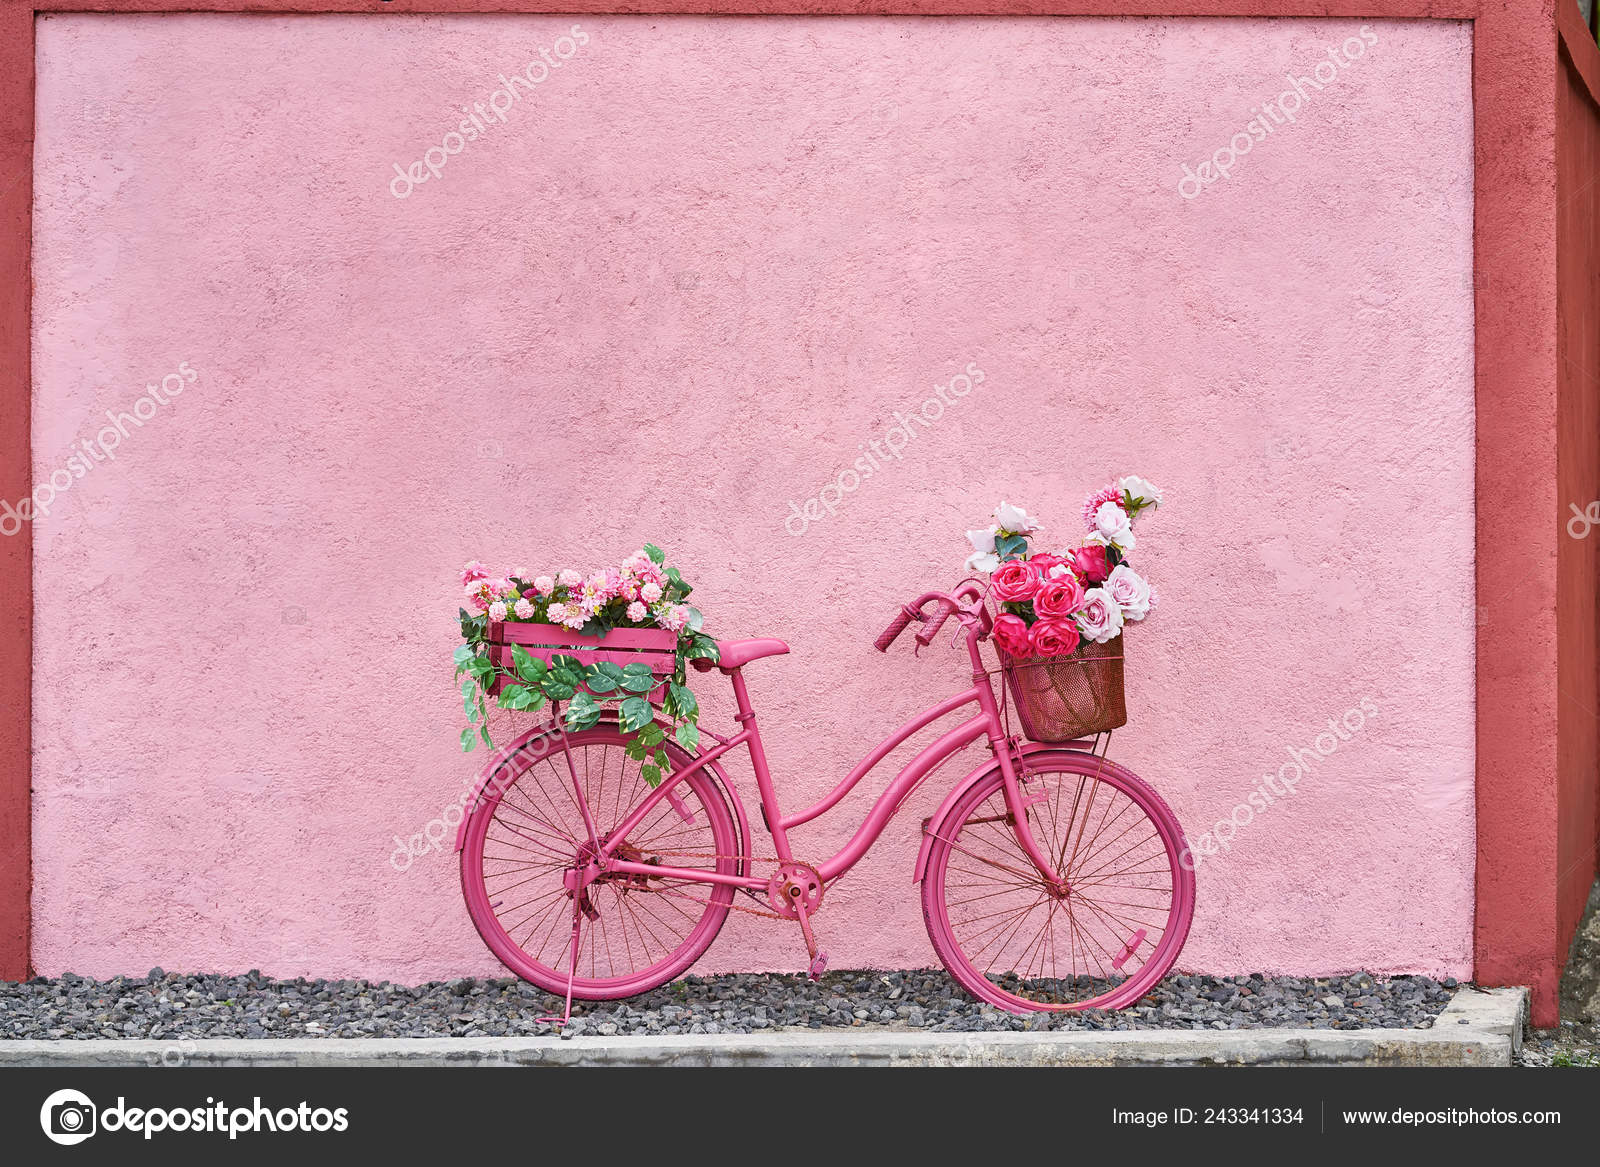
683	699
635	750
639	684
463	654
468	739
522	659
696	619
688	736
661	760
483	732
1010	546
556	690
652	735
602	677
636	714
657	556
583	712
652	775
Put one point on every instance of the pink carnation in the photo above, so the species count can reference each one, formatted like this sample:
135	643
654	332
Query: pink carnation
473	572
544	585
651	592
497	611
674	617
1109	493
500	587
637	611
479	595
524	610
570	578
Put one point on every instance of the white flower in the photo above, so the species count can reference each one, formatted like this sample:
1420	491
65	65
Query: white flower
1112	527
1100	618
1141	490
1013	520
983	557
1131	592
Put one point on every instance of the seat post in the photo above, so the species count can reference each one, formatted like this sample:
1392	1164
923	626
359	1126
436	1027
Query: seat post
771	811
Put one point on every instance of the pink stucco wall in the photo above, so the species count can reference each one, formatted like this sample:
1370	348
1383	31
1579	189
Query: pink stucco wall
694	270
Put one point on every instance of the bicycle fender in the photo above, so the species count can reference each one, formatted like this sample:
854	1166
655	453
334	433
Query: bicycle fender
1027	749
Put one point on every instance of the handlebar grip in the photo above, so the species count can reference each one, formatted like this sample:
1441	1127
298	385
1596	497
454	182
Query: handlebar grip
925	637
896	627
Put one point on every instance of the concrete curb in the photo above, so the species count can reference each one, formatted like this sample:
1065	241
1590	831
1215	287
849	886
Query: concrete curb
1478	1028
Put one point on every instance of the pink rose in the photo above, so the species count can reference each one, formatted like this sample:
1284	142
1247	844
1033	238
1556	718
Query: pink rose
1058	597
1054	637
1011	634
473	572
1015	581
1092	563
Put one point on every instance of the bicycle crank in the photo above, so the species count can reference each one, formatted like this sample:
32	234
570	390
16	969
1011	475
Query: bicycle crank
795	892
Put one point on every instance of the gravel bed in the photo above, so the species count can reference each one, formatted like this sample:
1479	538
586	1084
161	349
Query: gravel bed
177	1007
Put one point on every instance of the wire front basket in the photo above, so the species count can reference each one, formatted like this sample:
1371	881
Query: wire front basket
1062	698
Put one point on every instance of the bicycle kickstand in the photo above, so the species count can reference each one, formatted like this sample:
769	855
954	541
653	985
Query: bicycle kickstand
572	965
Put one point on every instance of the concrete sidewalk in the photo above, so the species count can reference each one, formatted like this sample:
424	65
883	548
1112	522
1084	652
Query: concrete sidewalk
1477	1028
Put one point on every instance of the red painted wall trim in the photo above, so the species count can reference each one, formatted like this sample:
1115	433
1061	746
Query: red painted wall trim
1514	100
16	480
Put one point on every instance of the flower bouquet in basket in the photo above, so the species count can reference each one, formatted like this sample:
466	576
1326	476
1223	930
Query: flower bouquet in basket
620	637
1061	614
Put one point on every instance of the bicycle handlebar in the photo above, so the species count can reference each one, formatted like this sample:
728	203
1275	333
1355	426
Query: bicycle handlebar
896	627
949	605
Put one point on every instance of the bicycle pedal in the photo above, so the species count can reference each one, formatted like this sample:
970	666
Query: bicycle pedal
819	965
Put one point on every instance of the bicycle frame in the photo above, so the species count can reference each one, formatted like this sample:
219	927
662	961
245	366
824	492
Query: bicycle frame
986	720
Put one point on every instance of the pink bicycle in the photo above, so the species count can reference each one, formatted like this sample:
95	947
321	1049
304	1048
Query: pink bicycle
1051	877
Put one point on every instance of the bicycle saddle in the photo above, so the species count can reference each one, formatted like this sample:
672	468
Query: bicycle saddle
737	653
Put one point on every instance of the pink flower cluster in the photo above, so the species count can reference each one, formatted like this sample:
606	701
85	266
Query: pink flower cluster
633	594
1050	603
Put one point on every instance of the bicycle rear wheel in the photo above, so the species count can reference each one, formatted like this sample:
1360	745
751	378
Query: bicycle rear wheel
635	931
1014	941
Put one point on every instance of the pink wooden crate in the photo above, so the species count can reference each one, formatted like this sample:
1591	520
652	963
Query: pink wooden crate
622	646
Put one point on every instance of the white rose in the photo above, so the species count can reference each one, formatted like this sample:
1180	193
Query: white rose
1130	590
1111	525
1141	490
983	557
1100	618
1014	519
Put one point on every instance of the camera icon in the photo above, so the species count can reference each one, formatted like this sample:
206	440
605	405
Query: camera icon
68	1117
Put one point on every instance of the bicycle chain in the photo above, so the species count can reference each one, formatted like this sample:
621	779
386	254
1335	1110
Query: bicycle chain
752	859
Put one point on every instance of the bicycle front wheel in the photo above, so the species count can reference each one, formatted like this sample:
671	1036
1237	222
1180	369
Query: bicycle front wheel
527	835
1013	940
